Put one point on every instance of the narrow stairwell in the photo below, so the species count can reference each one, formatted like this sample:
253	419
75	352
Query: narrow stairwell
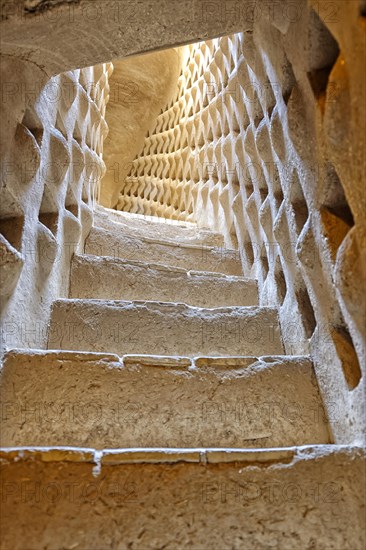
165	380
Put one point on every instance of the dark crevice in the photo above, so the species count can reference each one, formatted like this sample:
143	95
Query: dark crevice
347	355
73	209
280	281
334	196
50	220
344	213
264	263
306	311
33	124
12	230
324	52
289	81
298	203
319	79
249	252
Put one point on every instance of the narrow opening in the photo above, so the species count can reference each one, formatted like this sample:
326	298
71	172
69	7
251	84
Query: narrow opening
249	189
280	281
73	209
323	53
263	192
12	229
34	125
334	196
319	79
335	230
289	81
50	220
264	263
278	197
347	355
249	252
298	203
336	215
306	311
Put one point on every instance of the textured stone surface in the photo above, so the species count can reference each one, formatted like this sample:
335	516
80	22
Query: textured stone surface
51	146
265	142
160	328
115	279
154	227
56	34
191	257
298	498
11	263
140	88
101	402
267	136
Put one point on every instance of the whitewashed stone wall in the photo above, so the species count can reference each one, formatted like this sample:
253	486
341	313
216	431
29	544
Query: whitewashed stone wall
50	170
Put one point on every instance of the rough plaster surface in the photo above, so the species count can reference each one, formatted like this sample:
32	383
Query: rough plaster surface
163	328
305	497
145	401
154	227
115	279
139	90
56	36
50	167
196	257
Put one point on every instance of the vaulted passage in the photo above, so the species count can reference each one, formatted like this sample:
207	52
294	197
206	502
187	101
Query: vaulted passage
182	260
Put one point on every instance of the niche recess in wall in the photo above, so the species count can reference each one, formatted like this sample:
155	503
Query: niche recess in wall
12	230
347	355
306	311
34	125
336	215
323	54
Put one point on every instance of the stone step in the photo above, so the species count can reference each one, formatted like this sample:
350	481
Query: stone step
160	328
155	228
197	257
100	401
115	279
298	497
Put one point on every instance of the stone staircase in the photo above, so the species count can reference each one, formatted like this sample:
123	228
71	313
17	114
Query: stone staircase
165	414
